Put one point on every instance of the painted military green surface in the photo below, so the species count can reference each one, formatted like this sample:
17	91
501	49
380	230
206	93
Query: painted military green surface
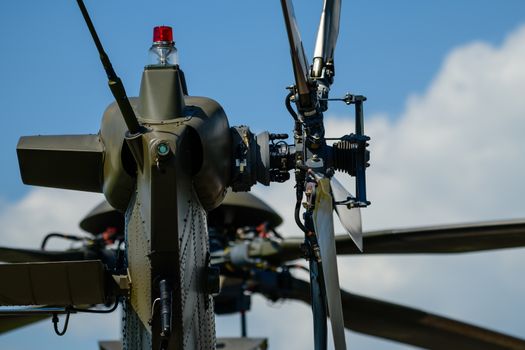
243	209
101	217
64	161
53	283
19	255
238	209
166	231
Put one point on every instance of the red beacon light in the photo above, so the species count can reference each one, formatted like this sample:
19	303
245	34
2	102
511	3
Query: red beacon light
163	51
162	33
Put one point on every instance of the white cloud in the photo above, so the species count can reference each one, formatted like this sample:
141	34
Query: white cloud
456	153
41	211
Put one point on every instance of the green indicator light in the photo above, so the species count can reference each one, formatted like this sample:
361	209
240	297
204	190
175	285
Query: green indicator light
163	149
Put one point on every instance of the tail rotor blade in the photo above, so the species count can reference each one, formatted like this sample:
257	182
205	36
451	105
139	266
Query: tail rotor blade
299	61
350	217
328	30
324	228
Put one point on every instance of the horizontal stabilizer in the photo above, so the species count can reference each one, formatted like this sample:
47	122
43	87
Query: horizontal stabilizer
53	283
73	162
15	318
18	255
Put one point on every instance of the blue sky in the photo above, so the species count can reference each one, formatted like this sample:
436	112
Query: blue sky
236	52
233	51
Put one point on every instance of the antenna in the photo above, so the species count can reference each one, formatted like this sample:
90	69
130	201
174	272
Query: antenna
114	82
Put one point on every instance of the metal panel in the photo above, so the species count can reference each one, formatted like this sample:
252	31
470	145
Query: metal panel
56	283
19	255
197	308
139	265
135	336
67	161
167	239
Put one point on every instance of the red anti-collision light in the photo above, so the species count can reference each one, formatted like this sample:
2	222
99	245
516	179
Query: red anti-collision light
162	33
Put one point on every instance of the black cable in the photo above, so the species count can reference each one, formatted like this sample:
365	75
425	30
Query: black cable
55	324
289	108
70	309
297	217
277	234
107	311
59	235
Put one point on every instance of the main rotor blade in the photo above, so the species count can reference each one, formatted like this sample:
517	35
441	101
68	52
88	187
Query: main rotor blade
328	30
101	217
446	239
324	229
10	323
14	318
410	326
15	255
349	217
299	61
459	238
